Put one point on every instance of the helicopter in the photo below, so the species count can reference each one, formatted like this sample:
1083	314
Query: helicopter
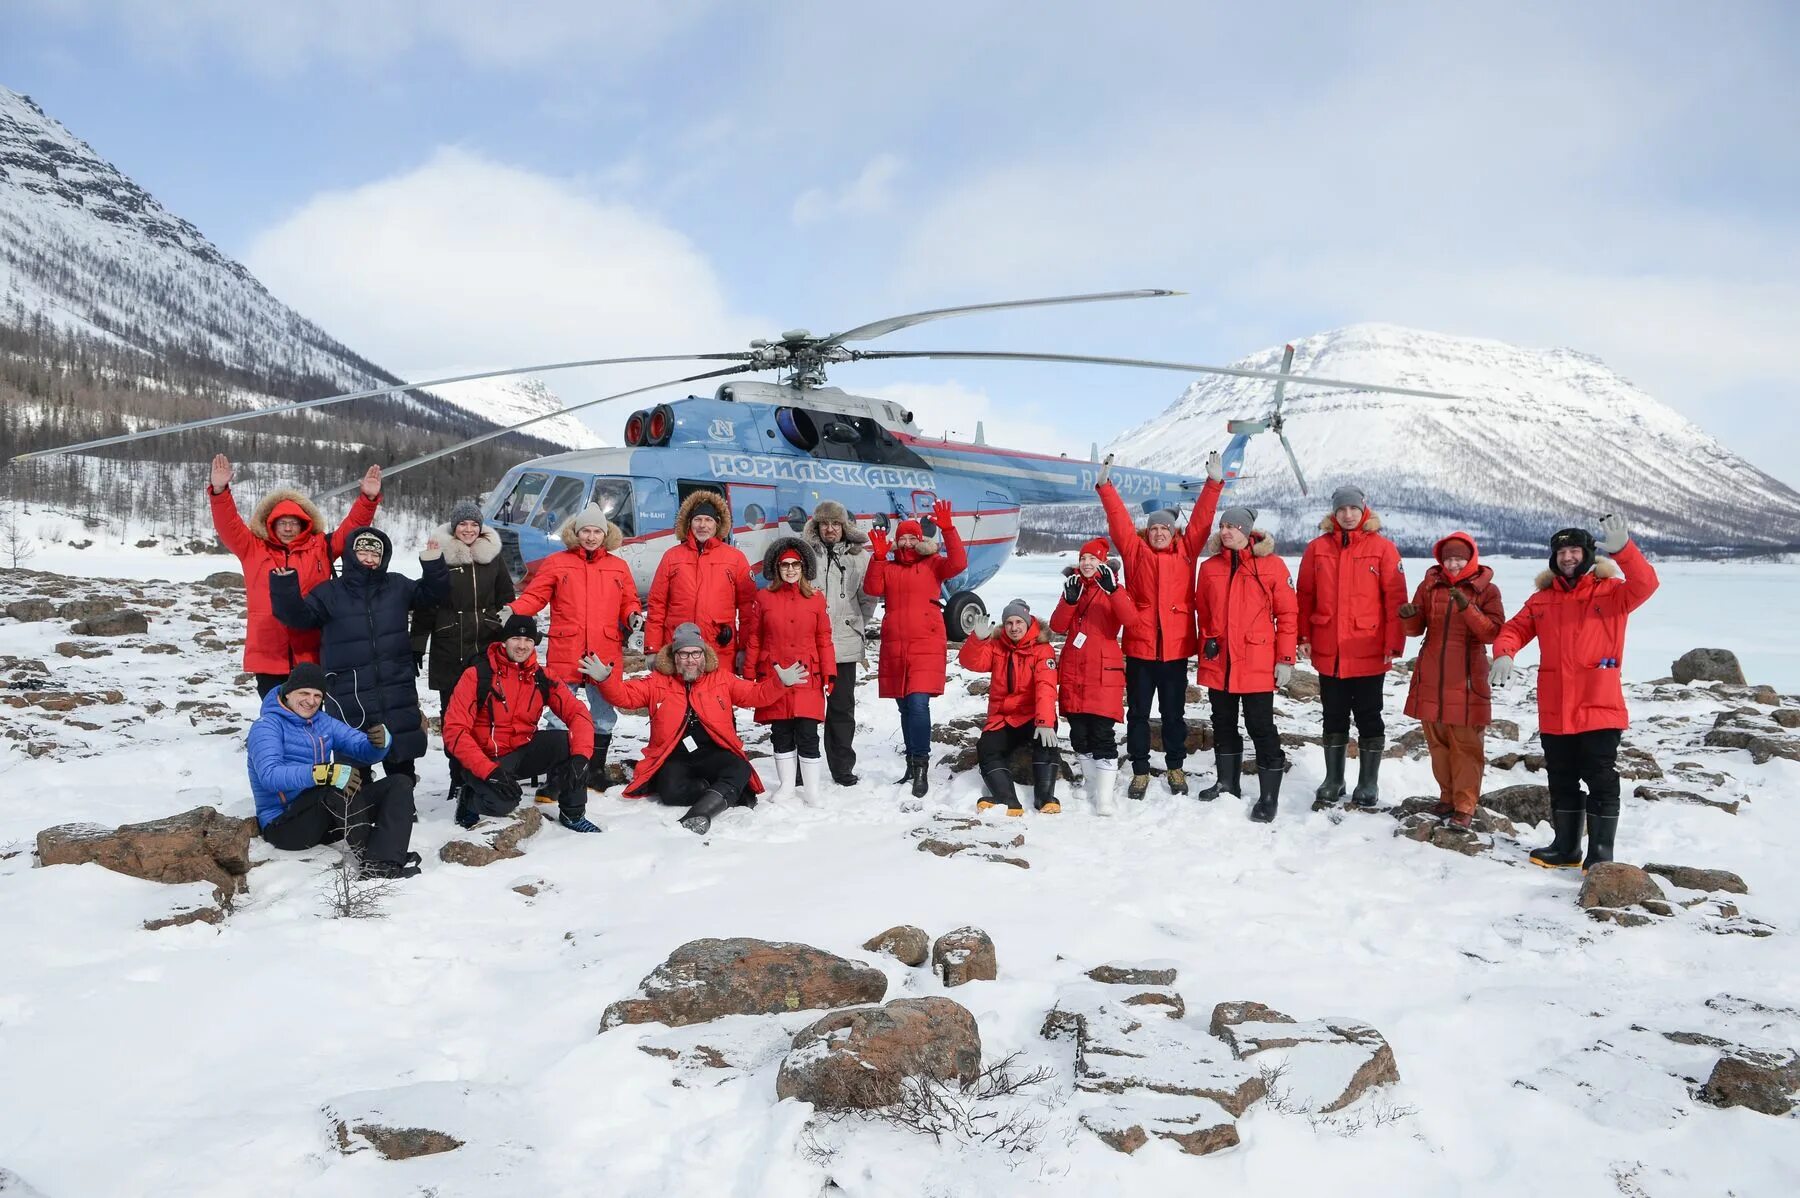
1232	460
776	449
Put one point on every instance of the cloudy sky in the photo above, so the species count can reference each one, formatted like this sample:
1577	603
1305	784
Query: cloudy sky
460	183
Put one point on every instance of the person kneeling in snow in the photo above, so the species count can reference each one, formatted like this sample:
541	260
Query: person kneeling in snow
1021	705
305	797
491	732
694	758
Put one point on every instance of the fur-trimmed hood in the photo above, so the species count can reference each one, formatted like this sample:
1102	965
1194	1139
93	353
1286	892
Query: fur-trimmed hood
809	562
264	514
566	531
926	547
1002	641
1604	568
1370	522
1482	576
830	509
1261	544
687	513
456	554
664	661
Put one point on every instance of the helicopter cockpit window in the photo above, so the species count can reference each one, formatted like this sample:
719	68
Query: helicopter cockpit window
843	438
613	496
516	508
560	502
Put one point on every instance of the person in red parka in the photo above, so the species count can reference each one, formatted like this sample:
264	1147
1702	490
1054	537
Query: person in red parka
1457	610
491	732
1021	669
1246	613
285	533
1159	575
593	603
1093	608
701	579
1351	588
1578	616
789	623
694	758
912	666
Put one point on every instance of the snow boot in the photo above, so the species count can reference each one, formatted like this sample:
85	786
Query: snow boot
1043	787
596	771
784	773
1443	811
577	822
811	792
388	870
1600	832
1228	767
1331	791
1368	772
1140	785
1177	780
1102	780
1270	782
1564	852
1001	792
700	816
919	772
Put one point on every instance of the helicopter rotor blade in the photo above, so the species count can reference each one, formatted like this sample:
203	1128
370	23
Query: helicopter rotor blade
1294	462
1246	427
370	393
893	324
1287	366
1294	380
434	455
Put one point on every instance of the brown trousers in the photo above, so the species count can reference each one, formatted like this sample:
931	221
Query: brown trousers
1458	758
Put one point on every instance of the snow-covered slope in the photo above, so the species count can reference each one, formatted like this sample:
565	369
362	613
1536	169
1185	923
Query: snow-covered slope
508	401
1546	438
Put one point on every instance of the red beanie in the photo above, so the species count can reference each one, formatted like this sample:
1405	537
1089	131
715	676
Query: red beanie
790	554
909	528
1098	547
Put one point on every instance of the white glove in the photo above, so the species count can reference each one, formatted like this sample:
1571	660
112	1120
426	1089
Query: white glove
1615	533
794	675
1500	671
1047	737
1284	674
1215	467
984	627
1105	470
504	614
594	668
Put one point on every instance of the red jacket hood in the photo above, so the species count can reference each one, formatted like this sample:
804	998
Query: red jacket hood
1469	571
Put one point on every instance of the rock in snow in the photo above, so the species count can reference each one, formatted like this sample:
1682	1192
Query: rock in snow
707	979
965	955
861	1059
196	846
905	943
1708	665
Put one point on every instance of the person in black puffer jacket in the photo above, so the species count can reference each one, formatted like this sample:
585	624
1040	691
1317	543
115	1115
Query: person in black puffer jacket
446	638
366	649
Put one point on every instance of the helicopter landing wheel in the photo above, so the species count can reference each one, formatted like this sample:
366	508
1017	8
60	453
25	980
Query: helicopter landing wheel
960	613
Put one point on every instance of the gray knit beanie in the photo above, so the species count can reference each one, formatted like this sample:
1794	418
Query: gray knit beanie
687	636
1348	496
464	510
591	517
1160	516
1240	517
1019	608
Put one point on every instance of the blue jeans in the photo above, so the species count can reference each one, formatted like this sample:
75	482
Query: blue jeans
605	714
915	724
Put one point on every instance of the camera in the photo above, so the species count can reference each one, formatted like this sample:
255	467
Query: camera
1212	647
724	635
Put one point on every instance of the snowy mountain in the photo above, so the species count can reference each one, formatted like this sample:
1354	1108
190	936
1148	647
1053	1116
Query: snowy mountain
508	401
1546	438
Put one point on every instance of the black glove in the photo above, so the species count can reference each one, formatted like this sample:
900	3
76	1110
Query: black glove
1072	589
418	663
578	763
1109	582
1461	600
1408	611
506	784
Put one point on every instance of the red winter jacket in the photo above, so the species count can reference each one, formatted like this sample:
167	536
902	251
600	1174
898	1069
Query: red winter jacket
1577	627
1092	668
1021	676
1351	588
477	737
708	584
668	698
913	637
1450	676
591	596
785	627
1245	598
1161	582
271	647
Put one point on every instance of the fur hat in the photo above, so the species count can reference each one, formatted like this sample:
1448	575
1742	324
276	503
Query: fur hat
465	510
283	502
1019	608
789	547
307	676
833	511
1097	548
520	625
1573	538
1238	517
687	636
1348	496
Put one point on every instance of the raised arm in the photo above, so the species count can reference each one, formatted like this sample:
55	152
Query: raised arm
1200	520
745	693
1640	576
976	654
291	607
233	533
362	512
1120	526
954	558
433	586
629	693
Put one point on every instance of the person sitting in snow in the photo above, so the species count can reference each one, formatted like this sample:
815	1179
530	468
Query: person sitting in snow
1577	616
694	758
1021	667
285	532
491	732
309	793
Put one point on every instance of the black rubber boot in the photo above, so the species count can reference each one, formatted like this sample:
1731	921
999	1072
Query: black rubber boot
1368	772
1600	832
1043	787
1564	852
920	772
1269	780
1331	791
699	818
596	770
1001	792
1228	768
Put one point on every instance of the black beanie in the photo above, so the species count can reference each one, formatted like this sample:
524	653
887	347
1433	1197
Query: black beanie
1576	538
306	676
518	625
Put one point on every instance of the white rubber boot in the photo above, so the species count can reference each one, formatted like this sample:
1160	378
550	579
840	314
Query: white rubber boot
784	770
812	790
1103	777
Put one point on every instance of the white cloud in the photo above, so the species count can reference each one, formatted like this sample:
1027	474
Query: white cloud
465	264
869	194
953	409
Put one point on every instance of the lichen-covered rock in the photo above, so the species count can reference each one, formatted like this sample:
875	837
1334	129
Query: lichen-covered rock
1526	803
905	943
965	955
501	845
1759	1081
196	846
1691	878
1329	1063
223	579
861	1059
29	611
1618	885
1756	733
1708	665
113	623
1132	975
707	979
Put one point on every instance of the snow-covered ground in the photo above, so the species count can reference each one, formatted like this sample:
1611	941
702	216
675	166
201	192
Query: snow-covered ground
197	1060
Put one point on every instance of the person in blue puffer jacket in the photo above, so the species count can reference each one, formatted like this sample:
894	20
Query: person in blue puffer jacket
366	646
308	794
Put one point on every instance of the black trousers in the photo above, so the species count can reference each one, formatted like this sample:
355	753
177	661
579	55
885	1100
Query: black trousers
1259	720
840	722
268	682
443	714
796	735
377	822
1591	757
685	776
996	747
1093	736
1165	683
547	752
1345	697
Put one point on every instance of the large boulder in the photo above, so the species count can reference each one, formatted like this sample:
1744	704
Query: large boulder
223	579
1691	878
1758	734
196	846
113	623
965	955
905	943
1611	889
1526	803
1327	1063
861	1059
28	611
1761	1081
707	979
1708	665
